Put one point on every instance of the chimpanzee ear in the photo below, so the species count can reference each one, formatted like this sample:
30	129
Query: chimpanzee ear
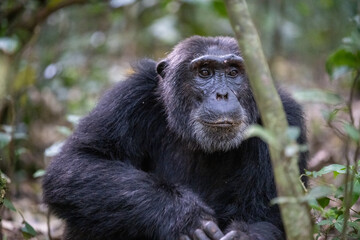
160	68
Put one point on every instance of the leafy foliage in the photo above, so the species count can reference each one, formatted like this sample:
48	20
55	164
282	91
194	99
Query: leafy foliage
346	58
334	203
2	188
28	231
328	202
343	60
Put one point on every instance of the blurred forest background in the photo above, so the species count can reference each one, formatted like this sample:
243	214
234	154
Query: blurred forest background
58	56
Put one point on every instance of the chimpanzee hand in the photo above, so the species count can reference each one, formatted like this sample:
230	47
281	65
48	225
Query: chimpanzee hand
255	231
236	231
210	231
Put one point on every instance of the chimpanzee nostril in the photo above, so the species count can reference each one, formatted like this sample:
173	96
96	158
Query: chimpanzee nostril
220	96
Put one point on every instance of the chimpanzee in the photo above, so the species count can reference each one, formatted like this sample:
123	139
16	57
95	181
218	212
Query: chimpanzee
164	155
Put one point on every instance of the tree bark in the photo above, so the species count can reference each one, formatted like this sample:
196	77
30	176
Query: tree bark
296	216
5	63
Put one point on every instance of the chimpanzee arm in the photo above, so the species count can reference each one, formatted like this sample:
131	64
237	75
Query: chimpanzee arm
106	199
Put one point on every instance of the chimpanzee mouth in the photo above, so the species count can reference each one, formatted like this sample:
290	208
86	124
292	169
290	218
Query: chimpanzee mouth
221	123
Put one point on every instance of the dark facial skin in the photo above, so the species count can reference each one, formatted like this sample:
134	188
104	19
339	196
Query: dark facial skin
219	77
220	120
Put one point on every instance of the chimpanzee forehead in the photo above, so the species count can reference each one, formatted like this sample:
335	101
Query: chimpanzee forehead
227	59
219	50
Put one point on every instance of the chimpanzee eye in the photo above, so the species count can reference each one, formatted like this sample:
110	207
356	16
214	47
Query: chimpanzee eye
204	73
233	73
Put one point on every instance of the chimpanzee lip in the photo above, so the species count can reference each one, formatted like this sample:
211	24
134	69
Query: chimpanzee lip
221	123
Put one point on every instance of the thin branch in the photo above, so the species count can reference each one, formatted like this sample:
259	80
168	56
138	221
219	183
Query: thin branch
351	99
335	200
48	10
348	178
48	224
336	131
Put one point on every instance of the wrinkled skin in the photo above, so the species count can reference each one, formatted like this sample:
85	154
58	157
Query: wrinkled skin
164	155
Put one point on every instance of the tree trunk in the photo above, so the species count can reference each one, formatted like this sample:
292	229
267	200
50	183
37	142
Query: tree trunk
4	74
296	216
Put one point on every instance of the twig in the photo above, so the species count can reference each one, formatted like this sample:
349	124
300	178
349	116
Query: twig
45	12
48	224
336	201
348	178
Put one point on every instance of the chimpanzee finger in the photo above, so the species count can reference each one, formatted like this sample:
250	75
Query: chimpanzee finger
199	234
184	237
212	230
235	235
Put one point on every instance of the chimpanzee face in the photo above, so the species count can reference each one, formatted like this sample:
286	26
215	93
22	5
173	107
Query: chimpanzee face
207	96
219	121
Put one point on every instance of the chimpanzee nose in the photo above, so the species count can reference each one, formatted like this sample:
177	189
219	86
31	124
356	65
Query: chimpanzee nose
222	96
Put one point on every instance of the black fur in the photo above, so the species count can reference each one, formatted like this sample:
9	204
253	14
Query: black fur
133	168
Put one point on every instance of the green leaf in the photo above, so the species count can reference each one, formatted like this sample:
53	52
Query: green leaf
314	204
9	205
318	193
330	116
28	231
282	200
256	130
39	173
339	225
333	213
317	96
5	138
342	58
357	186
339	72
325	222
352	132
354	225
323	202
356	193
355	198
336	174
338	168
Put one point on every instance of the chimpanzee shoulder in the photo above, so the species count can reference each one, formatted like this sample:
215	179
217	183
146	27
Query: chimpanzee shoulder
126	116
